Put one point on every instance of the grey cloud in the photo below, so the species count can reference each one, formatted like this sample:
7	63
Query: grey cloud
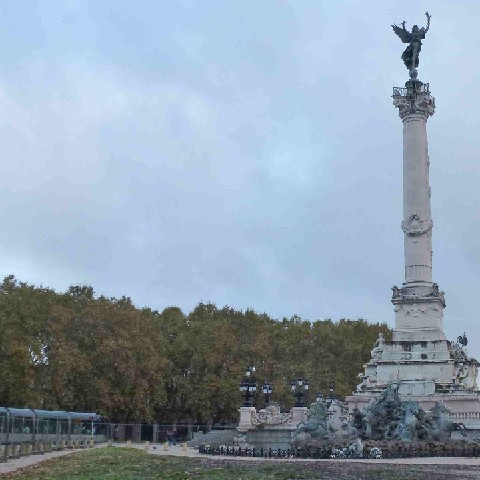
246	154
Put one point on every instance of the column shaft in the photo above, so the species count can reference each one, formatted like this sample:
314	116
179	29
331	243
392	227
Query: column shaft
417	221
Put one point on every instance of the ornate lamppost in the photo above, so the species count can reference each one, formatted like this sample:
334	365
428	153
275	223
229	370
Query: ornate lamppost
331	389
248	387
267	392
299	390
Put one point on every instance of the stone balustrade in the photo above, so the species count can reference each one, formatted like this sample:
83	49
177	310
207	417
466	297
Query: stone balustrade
462	416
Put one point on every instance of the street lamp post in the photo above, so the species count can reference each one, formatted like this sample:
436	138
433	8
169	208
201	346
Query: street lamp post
248	387
299	390
331	390
267	392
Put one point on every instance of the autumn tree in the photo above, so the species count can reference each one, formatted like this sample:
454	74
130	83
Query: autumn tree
78	351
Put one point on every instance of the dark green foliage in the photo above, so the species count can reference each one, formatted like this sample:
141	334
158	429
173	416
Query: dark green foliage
78	351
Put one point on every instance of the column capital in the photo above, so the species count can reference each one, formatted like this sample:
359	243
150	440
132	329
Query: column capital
414	100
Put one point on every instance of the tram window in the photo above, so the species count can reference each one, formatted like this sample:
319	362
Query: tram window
28	425
18	425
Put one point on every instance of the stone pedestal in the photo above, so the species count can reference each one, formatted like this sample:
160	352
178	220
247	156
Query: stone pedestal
299	415
245	422
270	428
271	437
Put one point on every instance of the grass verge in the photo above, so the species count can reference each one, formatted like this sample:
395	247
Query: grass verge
132	464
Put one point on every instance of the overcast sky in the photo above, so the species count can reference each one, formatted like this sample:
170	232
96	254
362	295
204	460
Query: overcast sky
245	153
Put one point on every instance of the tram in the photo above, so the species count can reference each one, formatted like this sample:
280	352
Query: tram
24	425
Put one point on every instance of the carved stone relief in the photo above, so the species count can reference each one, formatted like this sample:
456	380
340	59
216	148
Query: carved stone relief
271	416
415	226
434	293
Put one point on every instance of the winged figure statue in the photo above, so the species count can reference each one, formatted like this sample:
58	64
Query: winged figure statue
462	340
414	39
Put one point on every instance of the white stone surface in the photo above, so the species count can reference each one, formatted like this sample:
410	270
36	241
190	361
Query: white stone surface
299	415
245	422
427	367
417	221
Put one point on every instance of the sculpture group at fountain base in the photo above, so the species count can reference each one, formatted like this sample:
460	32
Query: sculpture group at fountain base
426	372
387	427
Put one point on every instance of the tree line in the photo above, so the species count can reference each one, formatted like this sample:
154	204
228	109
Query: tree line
77	351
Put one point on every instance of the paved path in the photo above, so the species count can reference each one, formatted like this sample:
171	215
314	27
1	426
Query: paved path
179	451
22	462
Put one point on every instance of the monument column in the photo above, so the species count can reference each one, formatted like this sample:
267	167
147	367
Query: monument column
418	304
419	359
415	106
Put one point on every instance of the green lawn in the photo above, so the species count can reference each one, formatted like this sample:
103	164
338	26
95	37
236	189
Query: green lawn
131	464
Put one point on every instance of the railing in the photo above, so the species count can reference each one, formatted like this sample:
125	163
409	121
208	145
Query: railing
461	416
371	449
404	91
323	452
245	452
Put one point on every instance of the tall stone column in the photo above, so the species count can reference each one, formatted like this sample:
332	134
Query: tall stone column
414	109
419	303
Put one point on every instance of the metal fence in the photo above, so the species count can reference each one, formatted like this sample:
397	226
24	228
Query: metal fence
371	450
